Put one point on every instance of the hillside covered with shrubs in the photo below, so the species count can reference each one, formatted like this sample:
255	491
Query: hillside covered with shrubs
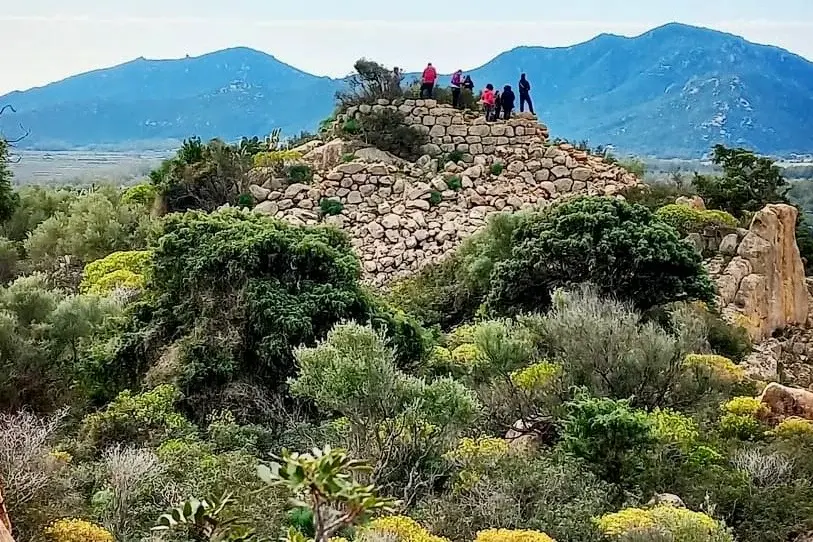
179	368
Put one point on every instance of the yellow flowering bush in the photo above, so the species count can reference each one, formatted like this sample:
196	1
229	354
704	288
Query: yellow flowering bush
404	528
745	406
619	523
535	377
681	523
461	335
671	427
486	450
718	366
465	354
275	158
687	219
76	530
118	270
509	535
475	457
60	457
794	428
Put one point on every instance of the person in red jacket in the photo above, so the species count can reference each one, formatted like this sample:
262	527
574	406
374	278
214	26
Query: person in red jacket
488	98
430	75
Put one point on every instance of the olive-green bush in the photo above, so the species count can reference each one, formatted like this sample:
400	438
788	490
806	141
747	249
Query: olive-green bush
233	293
687	219
620	248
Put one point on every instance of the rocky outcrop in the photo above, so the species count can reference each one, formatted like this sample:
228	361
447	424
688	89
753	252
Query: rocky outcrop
402	215
762	286
783	402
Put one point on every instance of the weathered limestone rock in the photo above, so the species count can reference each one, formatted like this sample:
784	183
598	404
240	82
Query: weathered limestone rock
269	208
784	402
328	155
772	295
374	155
259	193
695	202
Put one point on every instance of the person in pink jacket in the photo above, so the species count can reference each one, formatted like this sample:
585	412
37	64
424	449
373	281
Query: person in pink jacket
430	75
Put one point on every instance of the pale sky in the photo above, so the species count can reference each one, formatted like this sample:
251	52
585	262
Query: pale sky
47	40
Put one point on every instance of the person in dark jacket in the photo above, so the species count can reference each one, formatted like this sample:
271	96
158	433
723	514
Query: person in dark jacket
497	106
508	99
525	95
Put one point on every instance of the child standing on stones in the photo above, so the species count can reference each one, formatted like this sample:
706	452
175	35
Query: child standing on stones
497	106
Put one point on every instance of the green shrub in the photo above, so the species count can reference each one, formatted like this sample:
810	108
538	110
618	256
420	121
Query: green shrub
140	194
610	435
94	225
454	156
687	219
747	184
204	176
232	293
654	196
348	157
351	127
497	169
454	183
547	492
634	166
145	418
620	248
435	197
330	207
245	201
9	258
387	131
299	173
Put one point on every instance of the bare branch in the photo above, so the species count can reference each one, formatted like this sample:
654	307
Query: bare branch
7	107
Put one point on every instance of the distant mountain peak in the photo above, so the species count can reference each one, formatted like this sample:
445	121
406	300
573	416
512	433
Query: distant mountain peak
672	91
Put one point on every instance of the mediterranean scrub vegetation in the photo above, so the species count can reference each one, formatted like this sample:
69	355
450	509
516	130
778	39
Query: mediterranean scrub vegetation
174	370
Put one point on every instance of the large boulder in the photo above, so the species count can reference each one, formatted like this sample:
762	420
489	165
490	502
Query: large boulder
784	402
763	289
326	157
374	155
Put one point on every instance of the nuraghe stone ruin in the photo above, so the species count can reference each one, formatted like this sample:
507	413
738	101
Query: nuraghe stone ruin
402	215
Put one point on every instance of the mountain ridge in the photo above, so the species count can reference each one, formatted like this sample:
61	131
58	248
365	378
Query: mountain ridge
674	90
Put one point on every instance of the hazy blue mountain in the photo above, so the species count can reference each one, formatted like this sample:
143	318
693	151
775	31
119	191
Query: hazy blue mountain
673	91
226	94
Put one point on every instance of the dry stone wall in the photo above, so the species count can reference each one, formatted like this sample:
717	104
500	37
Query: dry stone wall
402	215
450	129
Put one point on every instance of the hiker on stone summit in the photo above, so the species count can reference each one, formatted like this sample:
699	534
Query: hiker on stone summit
488	100
430	75
468	84
508	99
497	106
525	95
456	83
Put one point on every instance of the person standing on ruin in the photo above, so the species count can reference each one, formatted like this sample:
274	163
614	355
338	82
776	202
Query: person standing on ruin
525	95
497	106
488	101
430	75
508	99
456	83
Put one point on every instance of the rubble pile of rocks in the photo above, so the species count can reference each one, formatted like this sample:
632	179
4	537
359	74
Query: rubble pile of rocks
402	215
